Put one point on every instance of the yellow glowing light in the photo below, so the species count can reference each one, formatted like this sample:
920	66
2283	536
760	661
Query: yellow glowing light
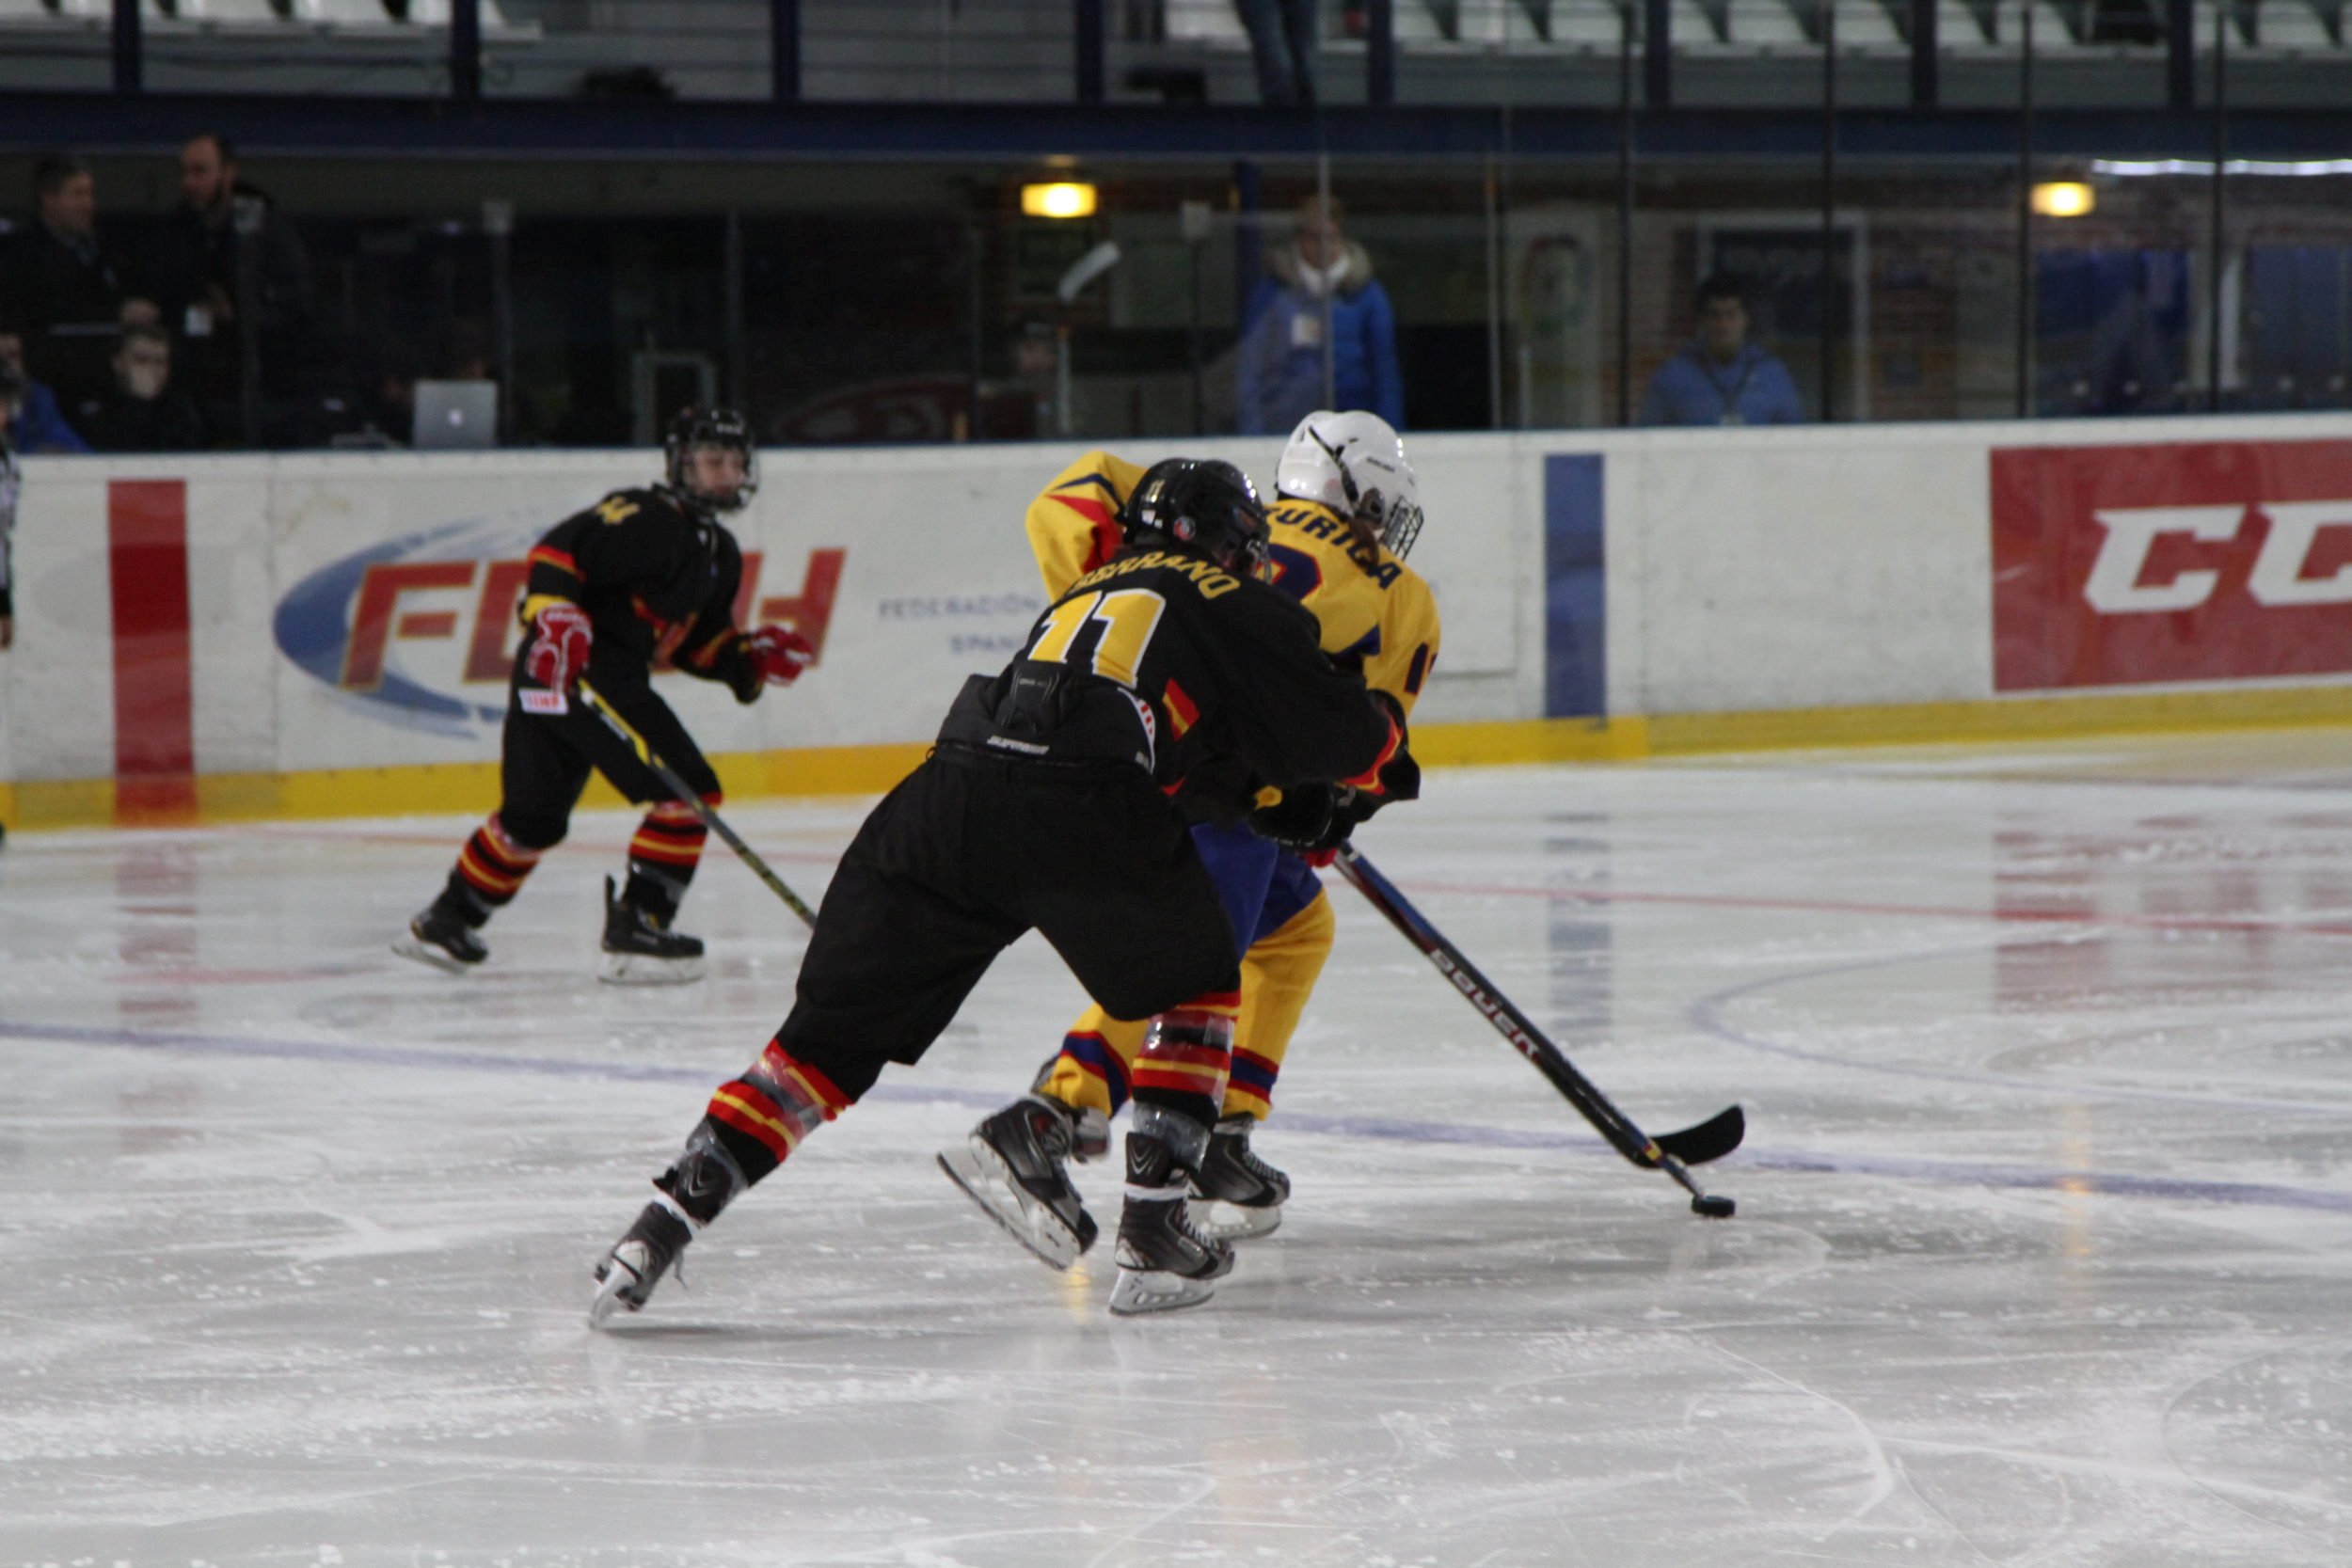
1057	202
2063	199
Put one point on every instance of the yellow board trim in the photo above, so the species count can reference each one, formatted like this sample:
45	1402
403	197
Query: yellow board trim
455	787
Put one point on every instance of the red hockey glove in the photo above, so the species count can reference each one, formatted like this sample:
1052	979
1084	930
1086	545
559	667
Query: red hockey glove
778	653
559	646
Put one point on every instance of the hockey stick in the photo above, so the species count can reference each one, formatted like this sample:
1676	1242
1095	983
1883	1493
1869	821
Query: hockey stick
646	754
1670	1152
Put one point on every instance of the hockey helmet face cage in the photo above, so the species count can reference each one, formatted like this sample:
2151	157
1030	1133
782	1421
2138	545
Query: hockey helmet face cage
1207	507
697	428
1354	464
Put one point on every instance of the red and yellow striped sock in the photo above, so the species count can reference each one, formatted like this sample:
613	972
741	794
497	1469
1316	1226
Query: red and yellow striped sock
1187	1053
492	866
778	1101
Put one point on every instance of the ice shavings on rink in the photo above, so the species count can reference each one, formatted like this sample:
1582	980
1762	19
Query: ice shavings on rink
2042	1258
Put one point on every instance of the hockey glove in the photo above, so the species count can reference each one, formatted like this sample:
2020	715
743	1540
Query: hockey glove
1310	821
559	646
770	656
778	653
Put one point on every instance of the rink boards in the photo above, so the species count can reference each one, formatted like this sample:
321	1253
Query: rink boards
329	633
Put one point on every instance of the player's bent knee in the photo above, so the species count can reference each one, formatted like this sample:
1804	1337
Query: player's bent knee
1148	995
534	832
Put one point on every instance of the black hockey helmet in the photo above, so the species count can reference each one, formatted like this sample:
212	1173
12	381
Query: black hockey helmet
709	427
1202	505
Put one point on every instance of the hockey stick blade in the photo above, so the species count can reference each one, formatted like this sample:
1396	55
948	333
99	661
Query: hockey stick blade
1710	1140
1671	1153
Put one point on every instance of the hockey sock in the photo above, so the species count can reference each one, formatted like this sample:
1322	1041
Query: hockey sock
761	1117
1092	1070
662	855
1278	975
489	872
1181	1072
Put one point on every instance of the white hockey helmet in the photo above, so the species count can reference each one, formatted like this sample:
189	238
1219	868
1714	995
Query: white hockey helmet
1354	462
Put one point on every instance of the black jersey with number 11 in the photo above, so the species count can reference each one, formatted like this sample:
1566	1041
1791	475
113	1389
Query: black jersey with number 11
1185	668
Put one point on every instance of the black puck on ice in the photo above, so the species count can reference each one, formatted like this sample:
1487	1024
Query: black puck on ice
1713	1206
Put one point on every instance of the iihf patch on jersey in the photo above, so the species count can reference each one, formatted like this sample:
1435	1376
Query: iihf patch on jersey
544	702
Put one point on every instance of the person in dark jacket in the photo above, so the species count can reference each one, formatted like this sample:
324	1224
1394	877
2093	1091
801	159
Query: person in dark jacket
1320	275
66	289
143	411
223	222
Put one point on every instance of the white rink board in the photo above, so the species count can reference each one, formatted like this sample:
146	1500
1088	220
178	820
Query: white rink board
1746	570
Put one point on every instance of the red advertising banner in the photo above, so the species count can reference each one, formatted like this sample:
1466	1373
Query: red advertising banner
2187	562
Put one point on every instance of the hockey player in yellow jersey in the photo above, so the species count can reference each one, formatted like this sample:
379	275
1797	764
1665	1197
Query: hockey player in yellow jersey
1347	514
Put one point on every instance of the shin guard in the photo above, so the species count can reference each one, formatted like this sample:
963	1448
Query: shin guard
490	870
663	856
761	1117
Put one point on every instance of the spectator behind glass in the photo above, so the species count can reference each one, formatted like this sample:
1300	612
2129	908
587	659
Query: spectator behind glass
1020	406
1282	36
67	290
1719	377
34	423
1278	375
144	411
196	283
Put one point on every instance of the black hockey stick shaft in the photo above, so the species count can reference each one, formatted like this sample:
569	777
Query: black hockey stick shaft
675	785
1670	1152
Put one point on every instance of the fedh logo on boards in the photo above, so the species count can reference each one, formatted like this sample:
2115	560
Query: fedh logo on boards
421	631
2170	562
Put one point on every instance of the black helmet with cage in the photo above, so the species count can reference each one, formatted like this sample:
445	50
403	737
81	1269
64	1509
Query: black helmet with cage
695	428
1202	505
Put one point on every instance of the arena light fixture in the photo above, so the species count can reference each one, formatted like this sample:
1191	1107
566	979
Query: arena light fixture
2063	199
1061	200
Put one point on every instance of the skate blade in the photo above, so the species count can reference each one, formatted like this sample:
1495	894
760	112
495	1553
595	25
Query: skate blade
1141	1291
425	953
636	969
982	1174
1232	1222
607	1299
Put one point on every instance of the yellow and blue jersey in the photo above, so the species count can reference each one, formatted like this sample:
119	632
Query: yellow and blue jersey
1375	613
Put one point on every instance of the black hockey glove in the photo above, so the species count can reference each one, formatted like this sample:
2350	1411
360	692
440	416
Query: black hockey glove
1311	819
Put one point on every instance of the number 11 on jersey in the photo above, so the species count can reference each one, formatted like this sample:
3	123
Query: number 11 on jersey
1127	616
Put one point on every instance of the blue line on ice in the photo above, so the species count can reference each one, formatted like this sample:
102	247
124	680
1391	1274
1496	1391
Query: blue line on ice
1947	1172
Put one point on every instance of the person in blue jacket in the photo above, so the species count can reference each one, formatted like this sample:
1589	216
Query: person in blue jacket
34	422
1278	374
1719	377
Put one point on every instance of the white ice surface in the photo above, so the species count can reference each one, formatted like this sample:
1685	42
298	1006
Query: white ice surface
2044	1255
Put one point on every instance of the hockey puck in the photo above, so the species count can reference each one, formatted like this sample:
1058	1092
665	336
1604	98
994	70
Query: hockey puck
1714	1206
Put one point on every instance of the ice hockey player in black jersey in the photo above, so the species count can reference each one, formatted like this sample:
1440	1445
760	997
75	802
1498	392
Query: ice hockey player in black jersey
1163	685
642	576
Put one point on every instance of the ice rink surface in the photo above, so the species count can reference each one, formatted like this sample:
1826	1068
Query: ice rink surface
2043	1256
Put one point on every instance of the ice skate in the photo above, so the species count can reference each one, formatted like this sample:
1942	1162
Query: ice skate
1164	1263
438	936
628	1273
1012	1165
1236	1196
640	949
